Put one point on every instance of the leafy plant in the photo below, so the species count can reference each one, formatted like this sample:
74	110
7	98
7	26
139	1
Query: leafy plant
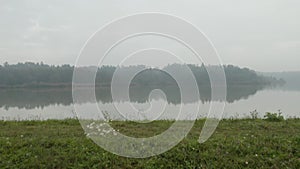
274	116
254	114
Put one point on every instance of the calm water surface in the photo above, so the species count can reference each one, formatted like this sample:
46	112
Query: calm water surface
42	104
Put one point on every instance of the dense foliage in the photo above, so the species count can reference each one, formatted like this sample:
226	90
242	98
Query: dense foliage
30	74
34	73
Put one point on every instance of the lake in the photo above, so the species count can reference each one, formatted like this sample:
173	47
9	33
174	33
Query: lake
54	103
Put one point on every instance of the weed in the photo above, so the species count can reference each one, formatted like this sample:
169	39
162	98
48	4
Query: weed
254	114
275	117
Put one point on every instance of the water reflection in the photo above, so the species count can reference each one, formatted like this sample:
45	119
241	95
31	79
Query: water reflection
46	103
40	98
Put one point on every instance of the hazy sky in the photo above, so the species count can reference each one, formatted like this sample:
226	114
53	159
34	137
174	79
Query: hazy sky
262	35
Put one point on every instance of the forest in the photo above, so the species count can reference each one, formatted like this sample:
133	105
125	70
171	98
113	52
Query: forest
40	74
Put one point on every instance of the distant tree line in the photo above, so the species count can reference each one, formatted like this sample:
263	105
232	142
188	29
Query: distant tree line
40	74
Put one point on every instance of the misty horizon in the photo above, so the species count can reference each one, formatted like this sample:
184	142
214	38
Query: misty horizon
148	66
149	84
262	37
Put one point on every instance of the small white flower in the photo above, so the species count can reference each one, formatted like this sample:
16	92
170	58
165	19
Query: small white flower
246	163
256	155
22	136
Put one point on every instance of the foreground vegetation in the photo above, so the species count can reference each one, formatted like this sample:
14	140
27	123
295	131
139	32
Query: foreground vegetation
249	143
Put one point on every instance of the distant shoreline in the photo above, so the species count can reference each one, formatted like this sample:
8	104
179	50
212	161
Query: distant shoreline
68	85
35	75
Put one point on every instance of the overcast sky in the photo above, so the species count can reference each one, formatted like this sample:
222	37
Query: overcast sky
262	35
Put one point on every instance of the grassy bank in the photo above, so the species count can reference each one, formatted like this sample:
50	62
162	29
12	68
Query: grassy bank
235	144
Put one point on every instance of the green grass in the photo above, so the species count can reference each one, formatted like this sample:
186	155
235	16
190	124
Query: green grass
235	144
